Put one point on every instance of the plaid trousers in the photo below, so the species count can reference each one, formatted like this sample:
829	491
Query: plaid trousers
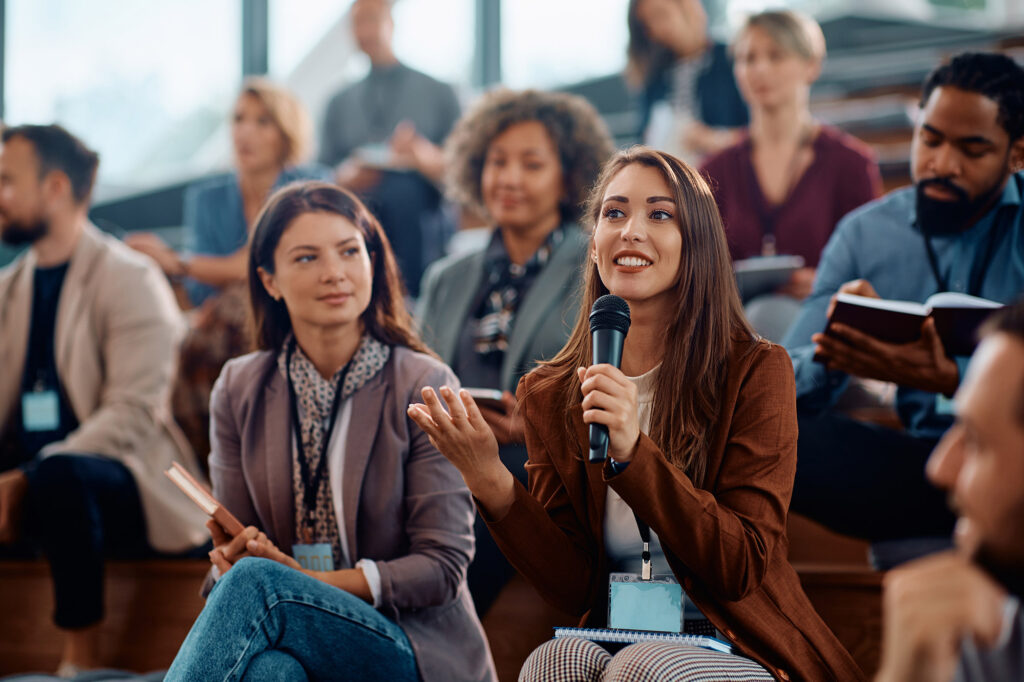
579	660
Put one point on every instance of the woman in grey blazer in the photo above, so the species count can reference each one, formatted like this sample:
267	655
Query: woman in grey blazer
358	532
526	160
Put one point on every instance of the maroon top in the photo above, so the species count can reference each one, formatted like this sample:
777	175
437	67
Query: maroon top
842	176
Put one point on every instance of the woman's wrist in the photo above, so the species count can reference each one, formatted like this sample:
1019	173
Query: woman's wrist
183	266
494	491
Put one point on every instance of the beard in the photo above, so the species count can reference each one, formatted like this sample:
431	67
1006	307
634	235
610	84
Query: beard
1009	573
937	218
16	233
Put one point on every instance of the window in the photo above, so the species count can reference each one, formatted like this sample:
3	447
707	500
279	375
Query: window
551	43
146	84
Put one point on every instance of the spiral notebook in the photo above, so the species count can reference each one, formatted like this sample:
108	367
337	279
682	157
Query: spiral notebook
634	636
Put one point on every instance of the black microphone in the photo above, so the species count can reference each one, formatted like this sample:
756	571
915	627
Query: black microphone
609	323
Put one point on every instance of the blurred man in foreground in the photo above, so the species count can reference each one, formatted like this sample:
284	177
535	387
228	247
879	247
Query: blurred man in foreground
957	615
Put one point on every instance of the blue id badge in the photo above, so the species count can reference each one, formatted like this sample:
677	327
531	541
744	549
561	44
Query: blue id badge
637	604
40	411
314	557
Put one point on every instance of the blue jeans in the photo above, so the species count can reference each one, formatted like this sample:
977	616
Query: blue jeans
265	621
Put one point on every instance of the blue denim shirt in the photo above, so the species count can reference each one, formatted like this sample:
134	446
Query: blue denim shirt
879	242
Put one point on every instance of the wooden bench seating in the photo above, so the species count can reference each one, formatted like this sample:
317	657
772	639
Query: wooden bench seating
150	607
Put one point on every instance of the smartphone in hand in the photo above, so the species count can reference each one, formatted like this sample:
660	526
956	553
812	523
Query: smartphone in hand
487	397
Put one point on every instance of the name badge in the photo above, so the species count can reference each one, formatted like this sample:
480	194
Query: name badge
944	405
638	604
314	557
40	411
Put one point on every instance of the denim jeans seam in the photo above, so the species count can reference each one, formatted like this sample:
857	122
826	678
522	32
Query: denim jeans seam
320	605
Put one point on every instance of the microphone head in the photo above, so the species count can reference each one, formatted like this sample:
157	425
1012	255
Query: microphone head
609	312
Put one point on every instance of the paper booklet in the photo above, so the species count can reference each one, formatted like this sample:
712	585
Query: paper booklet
203	499
957	318
634	636
764	274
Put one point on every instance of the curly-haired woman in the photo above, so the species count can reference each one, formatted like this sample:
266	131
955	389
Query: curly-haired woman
527	160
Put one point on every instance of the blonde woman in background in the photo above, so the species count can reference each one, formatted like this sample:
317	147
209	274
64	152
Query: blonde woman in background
270	134
783	187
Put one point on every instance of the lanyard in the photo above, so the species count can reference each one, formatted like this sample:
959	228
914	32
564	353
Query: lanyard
1002	219
768	214
645	556
311	480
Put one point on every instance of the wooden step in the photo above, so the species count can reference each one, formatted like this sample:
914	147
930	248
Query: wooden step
150	604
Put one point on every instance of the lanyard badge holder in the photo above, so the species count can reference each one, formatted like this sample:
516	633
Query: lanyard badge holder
645	601
312	556
40	408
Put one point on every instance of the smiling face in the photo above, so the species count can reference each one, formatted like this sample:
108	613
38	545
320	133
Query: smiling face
522	183
637	242
767	74
980	461
322	271
258	141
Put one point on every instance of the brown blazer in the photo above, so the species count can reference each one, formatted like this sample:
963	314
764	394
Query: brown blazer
726	544
116	347
406	507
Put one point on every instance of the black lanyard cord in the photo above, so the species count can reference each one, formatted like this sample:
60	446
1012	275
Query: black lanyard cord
311	480
645	555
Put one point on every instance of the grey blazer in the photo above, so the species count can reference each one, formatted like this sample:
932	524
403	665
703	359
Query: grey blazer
544	319
405	505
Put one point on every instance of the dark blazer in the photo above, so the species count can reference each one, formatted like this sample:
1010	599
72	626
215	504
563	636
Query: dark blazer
406	507
726	542
544	319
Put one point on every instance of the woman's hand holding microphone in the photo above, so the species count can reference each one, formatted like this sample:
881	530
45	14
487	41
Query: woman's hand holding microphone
610	398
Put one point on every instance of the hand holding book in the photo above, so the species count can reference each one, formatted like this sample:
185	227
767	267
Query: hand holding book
906	343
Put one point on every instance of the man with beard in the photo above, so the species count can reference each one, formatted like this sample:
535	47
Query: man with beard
958	613
959	228
89	331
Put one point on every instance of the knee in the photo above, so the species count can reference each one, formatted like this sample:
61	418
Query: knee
272	665
57	476
570	657
58	492
655	661
249	576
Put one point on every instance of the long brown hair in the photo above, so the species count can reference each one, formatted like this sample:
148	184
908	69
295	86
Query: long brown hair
699	336
385	318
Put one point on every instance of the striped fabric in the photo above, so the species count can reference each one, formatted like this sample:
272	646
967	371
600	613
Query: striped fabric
580	660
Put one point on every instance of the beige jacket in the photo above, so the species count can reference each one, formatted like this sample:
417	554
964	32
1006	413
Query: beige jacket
118	330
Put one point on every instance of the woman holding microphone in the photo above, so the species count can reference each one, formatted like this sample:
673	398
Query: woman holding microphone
702	424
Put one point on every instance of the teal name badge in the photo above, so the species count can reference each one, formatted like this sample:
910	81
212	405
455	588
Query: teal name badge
40	411
636	604
315	557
